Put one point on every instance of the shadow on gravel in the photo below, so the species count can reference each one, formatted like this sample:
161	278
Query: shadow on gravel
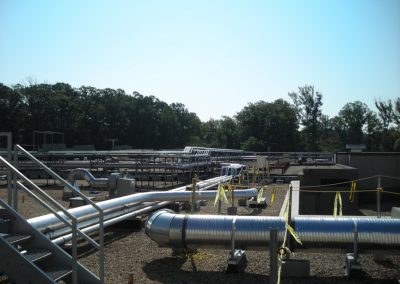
169	270
111	234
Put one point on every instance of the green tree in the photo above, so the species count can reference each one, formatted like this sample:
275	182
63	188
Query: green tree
308	103
354	117
329	139
373	131
385	109
253	144
272	124
13	110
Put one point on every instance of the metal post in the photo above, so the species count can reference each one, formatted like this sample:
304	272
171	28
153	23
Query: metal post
378	198
219	207
289	236
15	187
290	206
233	196
273	255
9	172
101	249
355	240
233	233
194	181
74	251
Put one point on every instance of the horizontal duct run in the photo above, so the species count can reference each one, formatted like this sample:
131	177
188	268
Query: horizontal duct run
252	232
124	206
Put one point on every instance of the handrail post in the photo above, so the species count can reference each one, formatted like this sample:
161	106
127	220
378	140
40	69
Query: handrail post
74	221
14	175
74	251
101	249
273	255
378	198
9	172
75	228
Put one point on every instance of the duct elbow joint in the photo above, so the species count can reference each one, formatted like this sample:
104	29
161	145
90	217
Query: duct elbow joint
167	228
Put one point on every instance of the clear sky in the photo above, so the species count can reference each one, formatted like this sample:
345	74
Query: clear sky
214	56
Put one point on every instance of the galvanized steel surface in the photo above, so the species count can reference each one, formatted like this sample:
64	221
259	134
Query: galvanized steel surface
214	231
371	230
119	206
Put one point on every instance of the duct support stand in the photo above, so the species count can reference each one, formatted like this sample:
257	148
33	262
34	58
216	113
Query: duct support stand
237	260
296	268
273	256
351	261
254	203
231	210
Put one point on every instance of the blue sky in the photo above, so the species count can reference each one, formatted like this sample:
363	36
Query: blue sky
213	56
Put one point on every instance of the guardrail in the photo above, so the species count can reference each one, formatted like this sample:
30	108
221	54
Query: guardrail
72	222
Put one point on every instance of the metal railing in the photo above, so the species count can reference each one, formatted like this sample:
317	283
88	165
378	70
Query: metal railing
73	221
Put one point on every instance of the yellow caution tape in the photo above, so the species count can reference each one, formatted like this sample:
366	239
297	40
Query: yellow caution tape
288	227
220	195
338	201
273	196
293	233
285	214
352	190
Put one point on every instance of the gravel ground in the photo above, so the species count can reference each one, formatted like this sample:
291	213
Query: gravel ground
130	251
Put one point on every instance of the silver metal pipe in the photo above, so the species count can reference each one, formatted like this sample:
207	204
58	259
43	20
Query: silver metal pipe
67	237
252	232
49	223
85	221
80	173
340	230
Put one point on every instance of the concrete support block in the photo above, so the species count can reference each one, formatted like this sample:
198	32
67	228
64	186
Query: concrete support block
395	212
296	268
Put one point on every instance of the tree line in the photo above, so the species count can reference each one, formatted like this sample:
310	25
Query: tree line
88	115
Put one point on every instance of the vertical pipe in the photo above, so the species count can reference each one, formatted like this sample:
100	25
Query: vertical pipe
378	198
273	255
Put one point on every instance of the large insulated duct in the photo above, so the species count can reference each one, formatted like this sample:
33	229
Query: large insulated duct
252	232
88	215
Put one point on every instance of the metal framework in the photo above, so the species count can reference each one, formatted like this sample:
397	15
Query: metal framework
66	218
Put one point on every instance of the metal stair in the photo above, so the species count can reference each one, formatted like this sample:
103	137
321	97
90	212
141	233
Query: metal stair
27	256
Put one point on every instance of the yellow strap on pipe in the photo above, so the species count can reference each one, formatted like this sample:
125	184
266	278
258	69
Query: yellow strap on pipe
220	195
293	233
288	227
352	190
273	195
338	201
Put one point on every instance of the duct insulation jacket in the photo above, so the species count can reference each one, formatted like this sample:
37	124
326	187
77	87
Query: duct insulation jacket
252	232
211	231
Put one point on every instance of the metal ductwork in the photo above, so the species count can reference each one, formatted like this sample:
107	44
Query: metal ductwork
84	174
252	232
122	207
